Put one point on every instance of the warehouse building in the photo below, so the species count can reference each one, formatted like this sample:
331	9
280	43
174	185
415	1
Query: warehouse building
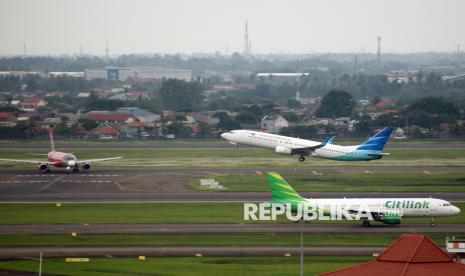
137	73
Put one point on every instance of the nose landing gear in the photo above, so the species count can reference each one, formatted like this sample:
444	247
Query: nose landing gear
433	222
301	158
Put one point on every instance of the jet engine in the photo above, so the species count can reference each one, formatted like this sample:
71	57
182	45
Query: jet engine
43	168
283	150
86	167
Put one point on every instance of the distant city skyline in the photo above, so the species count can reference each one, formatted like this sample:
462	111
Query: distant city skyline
56	27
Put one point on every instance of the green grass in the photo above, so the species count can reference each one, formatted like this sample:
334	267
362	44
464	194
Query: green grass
155	213
267	239
334	182
189	266
221	157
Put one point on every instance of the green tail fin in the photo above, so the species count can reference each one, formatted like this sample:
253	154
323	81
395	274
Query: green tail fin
280	189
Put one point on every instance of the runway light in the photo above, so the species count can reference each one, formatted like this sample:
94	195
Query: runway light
368	172
375	254
198	255
142	258
259	173
58	204
287	255
74	234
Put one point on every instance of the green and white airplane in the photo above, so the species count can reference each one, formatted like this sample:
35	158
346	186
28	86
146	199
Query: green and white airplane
385	210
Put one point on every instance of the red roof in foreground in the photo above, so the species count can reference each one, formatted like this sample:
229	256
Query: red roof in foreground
108	117
409	255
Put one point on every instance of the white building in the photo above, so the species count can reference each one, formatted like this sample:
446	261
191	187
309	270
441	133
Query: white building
273	123
146	73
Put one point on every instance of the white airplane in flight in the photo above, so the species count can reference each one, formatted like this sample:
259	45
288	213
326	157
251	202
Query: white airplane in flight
61	160
385	210
369	150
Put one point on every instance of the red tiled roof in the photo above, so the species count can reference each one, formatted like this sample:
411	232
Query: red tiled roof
6	114
108	117
107	131
136	124
410	255
385	103
391	111
31	101
415	249
195	129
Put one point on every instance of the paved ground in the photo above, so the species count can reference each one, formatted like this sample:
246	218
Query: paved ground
228	228
190	144
178	251
165	185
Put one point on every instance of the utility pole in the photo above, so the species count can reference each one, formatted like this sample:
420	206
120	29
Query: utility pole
302	247
378	54
40	264
107	51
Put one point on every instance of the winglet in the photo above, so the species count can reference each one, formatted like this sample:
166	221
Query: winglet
329	140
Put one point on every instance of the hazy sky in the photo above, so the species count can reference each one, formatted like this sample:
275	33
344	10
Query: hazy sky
183	26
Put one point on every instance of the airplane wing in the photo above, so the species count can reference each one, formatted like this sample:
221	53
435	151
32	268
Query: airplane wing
308	150
27	161
98	160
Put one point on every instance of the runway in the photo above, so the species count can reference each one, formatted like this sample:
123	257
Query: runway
169	185
207	144
181	251
202	229
198	197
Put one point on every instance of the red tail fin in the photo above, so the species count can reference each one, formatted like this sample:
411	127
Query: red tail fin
52	143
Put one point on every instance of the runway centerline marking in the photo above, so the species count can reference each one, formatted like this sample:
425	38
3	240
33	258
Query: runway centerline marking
52	182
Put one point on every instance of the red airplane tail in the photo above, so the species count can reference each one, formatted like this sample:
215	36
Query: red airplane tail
52	143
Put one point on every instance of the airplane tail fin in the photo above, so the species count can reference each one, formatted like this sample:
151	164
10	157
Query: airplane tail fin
280	189
378	141
52	143
329	140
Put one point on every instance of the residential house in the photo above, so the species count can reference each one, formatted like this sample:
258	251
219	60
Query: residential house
31	104
104	131
409	255
7	119
110	117
133	130
144	116
273	123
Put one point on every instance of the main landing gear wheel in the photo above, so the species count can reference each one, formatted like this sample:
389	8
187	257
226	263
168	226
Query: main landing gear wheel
75	170
366	223
301	158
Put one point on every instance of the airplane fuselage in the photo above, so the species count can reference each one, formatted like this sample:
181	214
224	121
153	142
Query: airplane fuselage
407	207
62	159
284	145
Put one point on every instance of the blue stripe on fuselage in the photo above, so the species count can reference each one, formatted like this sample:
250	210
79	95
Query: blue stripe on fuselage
359	155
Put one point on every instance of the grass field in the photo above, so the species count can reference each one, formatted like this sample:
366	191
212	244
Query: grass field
453	182
205	240
252	157
155	213
188	266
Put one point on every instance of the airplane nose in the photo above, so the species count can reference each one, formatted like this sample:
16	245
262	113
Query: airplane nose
224	135
455	210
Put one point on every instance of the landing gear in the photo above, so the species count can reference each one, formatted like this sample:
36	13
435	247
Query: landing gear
366	223
236	147
433	222
75	170
301	158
